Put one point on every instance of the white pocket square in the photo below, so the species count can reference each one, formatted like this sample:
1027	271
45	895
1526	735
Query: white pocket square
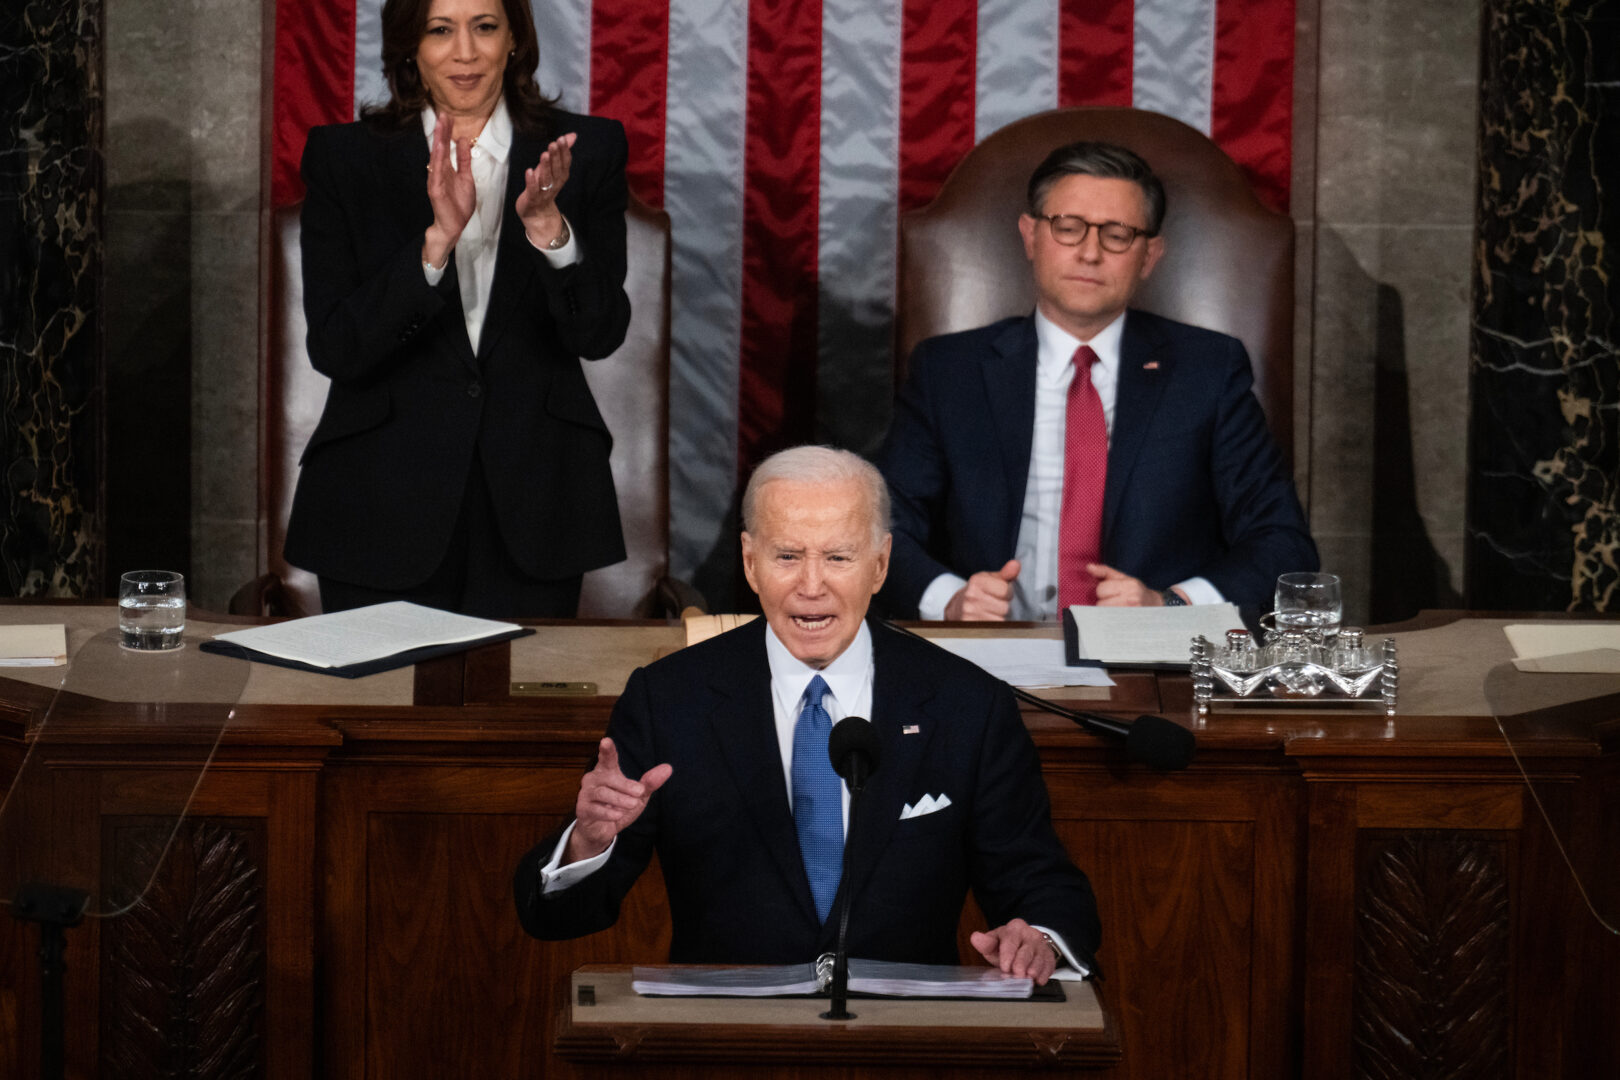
928	804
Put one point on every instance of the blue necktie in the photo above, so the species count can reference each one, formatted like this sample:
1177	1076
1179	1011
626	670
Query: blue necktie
818	811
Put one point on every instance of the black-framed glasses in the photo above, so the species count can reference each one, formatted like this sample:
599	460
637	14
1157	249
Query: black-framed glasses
1070	230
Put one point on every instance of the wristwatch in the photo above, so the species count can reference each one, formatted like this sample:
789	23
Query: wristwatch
1173	598
1057	952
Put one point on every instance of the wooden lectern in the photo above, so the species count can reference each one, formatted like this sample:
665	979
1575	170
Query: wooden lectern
603	1021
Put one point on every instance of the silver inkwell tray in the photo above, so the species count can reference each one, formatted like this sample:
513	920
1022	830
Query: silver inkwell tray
1296	668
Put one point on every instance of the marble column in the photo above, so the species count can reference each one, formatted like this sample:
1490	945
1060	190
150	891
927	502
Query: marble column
1544	440
50	269
1387	234
184	89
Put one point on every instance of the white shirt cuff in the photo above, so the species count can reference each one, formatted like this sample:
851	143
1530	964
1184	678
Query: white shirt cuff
1076	970
435	274
937	595
554	878
1200	591
567	255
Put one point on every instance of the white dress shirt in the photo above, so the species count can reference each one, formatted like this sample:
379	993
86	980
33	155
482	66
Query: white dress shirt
849	693
1035	592
480	240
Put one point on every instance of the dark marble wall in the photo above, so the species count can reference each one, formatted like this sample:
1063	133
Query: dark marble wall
1543	519
50	269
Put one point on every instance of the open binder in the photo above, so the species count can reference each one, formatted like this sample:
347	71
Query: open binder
363	641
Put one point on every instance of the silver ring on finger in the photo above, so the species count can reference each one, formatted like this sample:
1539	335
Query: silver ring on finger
548	187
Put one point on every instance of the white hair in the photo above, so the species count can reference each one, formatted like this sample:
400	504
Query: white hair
820	465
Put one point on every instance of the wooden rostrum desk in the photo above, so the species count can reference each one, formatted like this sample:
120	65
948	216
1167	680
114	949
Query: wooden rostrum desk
1333	895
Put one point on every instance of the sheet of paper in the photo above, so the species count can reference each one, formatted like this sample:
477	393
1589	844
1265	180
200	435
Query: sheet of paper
362	634
934	980
1024	661
771	980
1150	635
1565	646
865	977
44	645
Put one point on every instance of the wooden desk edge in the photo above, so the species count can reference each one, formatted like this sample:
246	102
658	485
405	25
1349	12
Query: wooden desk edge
829	1044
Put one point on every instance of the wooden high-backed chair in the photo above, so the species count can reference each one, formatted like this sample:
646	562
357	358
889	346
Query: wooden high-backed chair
631	388
1228	263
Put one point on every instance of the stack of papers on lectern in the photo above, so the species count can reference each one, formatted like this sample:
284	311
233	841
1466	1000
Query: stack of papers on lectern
1023	661
42	645
1144	636
878	978
364	640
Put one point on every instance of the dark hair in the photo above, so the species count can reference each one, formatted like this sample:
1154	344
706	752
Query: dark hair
403	23
1102	159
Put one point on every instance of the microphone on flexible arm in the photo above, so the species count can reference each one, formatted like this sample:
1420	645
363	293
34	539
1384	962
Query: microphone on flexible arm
1152	740
853	749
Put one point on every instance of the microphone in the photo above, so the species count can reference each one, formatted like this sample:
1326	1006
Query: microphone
853	750
1152	740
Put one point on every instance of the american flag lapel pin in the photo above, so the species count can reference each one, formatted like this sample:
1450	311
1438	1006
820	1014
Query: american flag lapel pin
1151	365
910	729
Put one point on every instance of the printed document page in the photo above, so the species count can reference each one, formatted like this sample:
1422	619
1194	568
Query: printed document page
881	977
364	634
1024	661
1150	635
1570	647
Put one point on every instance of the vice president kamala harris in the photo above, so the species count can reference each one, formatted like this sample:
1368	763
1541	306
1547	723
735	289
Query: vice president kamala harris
463	251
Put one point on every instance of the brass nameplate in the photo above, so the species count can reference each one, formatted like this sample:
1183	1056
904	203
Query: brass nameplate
553	689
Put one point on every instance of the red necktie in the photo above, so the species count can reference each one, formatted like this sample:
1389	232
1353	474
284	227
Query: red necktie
1085	470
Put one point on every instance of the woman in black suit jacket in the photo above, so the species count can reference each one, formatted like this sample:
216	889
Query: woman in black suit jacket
461	461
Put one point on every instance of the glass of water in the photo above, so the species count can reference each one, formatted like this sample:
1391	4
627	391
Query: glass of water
152	610
1311	602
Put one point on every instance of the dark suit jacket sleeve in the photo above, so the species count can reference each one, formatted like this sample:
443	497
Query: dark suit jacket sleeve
912	460
1261	518
362	303
592	904
586	299
1019	867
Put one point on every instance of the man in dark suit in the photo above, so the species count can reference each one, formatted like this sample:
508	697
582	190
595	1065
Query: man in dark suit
1086	453
736	794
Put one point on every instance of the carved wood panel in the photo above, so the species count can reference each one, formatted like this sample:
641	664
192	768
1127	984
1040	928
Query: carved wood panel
1176	900
1431	994
182	971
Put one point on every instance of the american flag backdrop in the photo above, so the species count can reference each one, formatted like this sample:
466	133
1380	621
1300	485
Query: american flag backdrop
785	137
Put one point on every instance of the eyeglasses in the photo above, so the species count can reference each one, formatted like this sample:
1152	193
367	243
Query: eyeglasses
1069	230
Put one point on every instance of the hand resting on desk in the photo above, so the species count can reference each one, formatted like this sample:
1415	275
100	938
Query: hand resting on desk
1018	949
987	596
1115	588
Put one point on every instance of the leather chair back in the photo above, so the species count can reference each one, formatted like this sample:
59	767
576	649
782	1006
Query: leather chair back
1228	263
631	389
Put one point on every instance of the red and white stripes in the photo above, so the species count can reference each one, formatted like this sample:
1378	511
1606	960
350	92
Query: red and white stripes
784	138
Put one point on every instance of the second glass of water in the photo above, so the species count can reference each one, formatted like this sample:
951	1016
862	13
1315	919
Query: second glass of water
152	610
1310	601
